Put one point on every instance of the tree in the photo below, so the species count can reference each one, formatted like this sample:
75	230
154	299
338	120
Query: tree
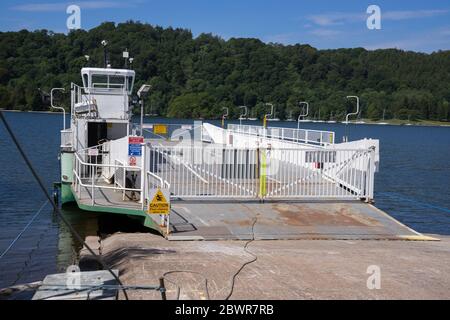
5	98
197	77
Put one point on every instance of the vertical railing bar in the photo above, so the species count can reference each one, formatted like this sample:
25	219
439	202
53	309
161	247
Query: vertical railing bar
321	164
92	192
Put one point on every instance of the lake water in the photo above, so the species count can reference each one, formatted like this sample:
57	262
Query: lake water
413	186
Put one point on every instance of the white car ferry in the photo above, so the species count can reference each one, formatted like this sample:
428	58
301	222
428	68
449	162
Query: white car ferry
107	167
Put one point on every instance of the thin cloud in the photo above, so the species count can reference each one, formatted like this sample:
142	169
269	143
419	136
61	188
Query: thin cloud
340	18
425	42
284	38
406	15
335	18
54	7
326	33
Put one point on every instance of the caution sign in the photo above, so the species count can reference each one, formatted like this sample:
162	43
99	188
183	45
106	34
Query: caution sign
159	202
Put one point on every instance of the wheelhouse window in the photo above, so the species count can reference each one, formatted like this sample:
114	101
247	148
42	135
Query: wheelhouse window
116	82
99	81
103	81
130	82
85	80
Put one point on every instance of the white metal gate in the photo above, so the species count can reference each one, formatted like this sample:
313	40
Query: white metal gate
215	172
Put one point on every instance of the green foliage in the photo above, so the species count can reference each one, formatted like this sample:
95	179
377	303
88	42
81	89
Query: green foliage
191	105
199	77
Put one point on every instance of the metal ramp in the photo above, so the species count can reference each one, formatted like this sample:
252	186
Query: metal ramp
350	220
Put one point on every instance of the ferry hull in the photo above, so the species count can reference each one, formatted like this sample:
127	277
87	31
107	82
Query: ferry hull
66	194
66	177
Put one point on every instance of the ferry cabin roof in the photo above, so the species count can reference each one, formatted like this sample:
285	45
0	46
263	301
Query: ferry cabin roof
98	80
109	89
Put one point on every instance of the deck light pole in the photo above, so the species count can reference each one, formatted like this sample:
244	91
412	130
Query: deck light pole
243	115
126	56
105	52
350	114
59	108
302	115
142	93
268	115
225	115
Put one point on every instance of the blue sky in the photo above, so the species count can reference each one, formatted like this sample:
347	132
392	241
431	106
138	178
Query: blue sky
410	25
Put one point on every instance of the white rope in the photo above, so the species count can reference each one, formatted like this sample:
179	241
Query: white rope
23	231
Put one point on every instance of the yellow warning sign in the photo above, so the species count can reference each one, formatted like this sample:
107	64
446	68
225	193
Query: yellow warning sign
159	204
160	129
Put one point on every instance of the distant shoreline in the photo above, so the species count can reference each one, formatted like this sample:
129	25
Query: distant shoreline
398	122
390	122
4	110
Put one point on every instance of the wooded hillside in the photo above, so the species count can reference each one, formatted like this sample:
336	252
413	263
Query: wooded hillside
197	77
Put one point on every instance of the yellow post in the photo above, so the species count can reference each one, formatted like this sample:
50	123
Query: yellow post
262	174
223	122
265	121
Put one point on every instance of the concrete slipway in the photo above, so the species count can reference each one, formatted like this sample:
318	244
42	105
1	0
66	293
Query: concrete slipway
284	269
348	239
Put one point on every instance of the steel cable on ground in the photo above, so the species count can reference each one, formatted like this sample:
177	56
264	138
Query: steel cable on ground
255	257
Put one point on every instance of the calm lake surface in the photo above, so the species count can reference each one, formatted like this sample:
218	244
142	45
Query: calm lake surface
413	186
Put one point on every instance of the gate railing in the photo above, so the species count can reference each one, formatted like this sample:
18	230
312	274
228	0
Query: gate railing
197	172
214	172
313	137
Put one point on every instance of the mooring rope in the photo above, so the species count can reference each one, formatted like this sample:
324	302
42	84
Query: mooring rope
55	206
24	230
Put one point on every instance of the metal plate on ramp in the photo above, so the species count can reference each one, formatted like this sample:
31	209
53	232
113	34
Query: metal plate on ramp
284	221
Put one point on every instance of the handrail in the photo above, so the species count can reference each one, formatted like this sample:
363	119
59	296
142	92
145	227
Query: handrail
59	108
270	133
103	165
105	187
279	128
161	180
156	177
90	185
302	115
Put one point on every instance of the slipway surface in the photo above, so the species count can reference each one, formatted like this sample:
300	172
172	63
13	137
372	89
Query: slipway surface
228	220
